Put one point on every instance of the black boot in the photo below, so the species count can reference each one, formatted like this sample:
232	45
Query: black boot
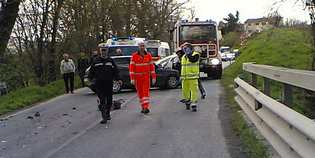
203	96
188	105
194	107
146	111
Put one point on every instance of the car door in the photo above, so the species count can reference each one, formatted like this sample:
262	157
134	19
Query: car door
123	68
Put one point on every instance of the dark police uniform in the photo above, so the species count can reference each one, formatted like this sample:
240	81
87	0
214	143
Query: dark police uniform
104	71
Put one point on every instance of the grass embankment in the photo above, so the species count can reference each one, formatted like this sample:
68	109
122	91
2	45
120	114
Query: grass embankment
30	95
289	48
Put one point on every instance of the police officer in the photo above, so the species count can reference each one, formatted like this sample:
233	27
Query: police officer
104	71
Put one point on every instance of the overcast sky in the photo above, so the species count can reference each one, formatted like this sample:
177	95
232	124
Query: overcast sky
218	9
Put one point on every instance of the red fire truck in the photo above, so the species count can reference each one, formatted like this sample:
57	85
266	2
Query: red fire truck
203	35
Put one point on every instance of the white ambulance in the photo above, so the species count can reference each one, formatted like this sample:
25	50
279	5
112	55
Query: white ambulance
157	48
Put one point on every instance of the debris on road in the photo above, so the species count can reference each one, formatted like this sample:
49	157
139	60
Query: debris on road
3	141
117	104
65	114
30	117
37	114
4	119
75	133
74	108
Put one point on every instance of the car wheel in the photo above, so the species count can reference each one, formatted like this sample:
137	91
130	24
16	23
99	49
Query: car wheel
116	87
218	75
172	82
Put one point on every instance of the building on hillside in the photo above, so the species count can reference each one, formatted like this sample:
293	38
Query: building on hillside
258	25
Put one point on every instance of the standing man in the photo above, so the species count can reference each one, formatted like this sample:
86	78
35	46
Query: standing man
83	64
190	76
67	69
104	71
177	66
141	71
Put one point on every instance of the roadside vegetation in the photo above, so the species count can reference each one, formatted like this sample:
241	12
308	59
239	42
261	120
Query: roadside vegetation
30	95
284	47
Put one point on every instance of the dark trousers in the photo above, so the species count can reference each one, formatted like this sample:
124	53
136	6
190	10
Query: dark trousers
69	77
104	91
82	79
202	90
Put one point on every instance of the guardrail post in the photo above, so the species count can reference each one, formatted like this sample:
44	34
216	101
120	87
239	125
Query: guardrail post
267	86
254	80
287	95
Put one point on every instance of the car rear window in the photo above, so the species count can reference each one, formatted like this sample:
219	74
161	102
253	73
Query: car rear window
154	51
124	50
122	61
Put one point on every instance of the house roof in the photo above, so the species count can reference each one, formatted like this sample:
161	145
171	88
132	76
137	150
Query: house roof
264	19
256	20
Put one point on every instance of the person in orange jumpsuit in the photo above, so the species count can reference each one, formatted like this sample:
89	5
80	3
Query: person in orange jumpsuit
141	70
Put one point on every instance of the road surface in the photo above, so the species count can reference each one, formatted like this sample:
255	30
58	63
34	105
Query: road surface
68	127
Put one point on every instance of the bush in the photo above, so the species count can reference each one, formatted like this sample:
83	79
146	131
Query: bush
27	96
232	39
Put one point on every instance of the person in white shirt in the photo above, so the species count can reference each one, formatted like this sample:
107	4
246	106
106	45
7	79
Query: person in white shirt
67	69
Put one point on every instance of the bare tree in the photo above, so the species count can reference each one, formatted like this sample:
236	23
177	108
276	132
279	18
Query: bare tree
8	12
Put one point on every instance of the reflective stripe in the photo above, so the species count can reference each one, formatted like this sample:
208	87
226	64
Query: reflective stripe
152	72
190	76
145	102
191	64
141	64
138	73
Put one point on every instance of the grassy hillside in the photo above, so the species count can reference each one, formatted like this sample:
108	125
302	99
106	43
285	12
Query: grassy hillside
289	48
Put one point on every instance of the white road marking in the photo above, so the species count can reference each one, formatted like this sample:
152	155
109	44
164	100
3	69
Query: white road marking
53	152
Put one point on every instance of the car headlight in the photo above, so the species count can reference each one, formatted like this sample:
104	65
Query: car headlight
215	61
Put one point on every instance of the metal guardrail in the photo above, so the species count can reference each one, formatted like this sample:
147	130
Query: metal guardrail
290	133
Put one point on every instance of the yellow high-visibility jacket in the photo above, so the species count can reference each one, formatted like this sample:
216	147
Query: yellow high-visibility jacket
189	70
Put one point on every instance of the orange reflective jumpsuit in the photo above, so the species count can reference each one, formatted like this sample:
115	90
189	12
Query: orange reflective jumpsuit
141	69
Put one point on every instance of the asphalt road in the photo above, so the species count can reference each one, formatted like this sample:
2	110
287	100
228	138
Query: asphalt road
68	127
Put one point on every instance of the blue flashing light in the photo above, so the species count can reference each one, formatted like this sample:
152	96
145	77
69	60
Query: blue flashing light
114	38
131	37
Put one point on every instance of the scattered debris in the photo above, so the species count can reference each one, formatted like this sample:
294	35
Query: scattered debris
68	122
65	114
74	108
37	114
35	133
117	104
3	141
75	133
30	117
